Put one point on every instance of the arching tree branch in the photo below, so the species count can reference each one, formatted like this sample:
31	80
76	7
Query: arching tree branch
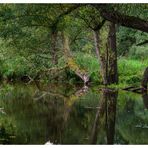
124	20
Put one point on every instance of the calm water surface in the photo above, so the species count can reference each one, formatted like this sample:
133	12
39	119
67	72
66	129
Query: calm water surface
65	114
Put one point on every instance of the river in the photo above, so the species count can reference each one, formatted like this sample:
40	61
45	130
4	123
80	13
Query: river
41	113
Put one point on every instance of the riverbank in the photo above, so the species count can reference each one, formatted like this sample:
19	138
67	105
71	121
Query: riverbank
17	69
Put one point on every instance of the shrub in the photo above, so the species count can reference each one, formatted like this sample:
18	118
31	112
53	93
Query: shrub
138	52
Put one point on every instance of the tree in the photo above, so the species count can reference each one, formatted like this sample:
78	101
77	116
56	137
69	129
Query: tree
124	20
145	80
112	70
26	24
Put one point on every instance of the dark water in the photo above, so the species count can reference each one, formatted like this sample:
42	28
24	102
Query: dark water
65	114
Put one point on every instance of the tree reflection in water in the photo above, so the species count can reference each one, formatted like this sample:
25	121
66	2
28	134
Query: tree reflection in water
111	100
107	107
32	114
145	99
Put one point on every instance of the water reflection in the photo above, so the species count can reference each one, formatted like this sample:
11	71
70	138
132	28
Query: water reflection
107	106
145	99
111	100
65	114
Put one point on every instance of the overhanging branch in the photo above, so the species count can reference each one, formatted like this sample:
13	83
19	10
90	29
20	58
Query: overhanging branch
124	20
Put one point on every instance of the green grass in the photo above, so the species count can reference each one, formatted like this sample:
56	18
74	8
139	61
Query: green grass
91	64
130	70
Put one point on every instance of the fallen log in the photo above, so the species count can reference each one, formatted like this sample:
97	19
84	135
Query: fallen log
128	88
138	90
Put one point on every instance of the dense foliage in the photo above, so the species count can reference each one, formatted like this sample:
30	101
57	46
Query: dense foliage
26	40
71	58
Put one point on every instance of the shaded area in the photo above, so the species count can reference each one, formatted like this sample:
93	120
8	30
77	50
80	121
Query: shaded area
57	114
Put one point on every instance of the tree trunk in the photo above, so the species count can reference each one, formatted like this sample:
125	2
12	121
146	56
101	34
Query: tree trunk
145	80
53	47
112	66
73	66
101	59
108	60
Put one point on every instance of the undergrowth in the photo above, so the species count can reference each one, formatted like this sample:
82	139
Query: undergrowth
130	69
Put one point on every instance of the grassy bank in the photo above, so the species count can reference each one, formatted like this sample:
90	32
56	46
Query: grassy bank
130	70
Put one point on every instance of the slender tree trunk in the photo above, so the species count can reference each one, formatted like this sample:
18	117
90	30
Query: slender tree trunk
53	47
81	73
108	61
66	47
101	59
145	80
112	69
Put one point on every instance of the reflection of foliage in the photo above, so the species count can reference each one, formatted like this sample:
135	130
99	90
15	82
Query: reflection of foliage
39	121
130	122
81	119
7	131
29	121
29	117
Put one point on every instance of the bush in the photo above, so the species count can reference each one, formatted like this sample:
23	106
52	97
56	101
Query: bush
138	52
15	67
131	71
90	63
